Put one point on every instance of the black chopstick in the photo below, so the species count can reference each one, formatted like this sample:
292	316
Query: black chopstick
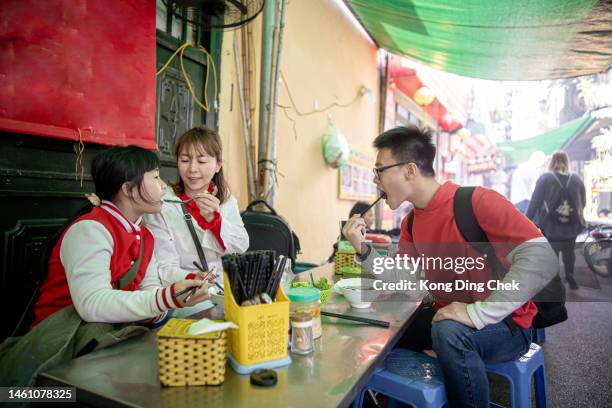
373	322
372	205
272	279
278	277
192	290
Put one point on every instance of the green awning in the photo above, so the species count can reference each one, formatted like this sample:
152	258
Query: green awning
495	39
520	150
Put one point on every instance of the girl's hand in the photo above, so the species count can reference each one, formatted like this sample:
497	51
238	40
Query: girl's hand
208	205
207	277
196	297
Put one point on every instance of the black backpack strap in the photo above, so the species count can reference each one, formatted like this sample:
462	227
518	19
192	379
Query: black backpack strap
410	222
194	236
260	202
471	230
569	178
465	218
473	233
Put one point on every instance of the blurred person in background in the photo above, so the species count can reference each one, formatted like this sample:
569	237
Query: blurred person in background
557	207
524	180
369	218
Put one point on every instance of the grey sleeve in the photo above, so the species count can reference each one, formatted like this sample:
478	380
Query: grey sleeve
534	265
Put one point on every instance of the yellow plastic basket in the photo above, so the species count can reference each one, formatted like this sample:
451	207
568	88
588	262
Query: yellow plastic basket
345	264
190	360
262	333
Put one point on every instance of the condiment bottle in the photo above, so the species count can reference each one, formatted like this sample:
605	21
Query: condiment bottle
302	341
307	300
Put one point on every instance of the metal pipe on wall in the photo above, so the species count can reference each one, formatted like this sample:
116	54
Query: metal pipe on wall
245	124
276	85
248	72
383	78
269	19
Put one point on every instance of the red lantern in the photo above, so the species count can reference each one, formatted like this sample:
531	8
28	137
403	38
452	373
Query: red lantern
448	122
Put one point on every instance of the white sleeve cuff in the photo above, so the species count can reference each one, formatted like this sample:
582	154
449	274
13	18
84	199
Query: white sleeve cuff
478	323
164	299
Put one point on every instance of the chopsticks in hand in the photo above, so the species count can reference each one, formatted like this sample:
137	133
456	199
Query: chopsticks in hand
197	265
191	291
364	212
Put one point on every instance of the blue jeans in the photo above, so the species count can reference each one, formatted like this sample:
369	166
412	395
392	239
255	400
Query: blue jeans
463	352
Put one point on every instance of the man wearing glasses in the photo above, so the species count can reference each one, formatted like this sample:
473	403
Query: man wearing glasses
464	335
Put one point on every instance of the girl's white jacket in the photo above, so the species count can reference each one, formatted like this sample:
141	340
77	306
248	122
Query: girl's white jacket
174	247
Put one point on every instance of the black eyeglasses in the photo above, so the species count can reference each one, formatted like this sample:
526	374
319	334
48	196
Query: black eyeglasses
378	170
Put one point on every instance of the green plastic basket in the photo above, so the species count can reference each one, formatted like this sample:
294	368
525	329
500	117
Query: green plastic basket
324	293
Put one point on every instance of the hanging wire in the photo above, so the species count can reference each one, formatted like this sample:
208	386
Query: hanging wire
210	65
299	113
293	122
79	149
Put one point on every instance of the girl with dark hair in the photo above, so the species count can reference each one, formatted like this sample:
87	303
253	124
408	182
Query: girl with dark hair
360	207
215	217
103	261
369	218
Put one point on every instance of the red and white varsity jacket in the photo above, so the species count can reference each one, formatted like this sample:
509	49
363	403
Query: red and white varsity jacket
87	262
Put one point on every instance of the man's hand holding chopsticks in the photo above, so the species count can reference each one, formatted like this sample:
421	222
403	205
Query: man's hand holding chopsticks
354	230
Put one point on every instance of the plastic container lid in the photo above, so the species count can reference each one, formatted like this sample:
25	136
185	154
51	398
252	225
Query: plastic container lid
302	294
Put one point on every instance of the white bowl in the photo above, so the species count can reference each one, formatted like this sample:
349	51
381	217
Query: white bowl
215	296
358	298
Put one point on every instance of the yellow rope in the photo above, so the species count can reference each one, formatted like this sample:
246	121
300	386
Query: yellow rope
79	148
210	64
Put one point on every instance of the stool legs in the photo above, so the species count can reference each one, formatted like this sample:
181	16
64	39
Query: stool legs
540	336
521	392
393	402
359	399
540	388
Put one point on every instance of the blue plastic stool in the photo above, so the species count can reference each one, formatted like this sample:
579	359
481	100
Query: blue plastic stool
402	378
519	373
540	336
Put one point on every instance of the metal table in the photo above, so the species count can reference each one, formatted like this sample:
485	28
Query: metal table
344	357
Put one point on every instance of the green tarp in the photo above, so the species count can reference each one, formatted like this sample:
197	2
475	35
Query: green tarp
520	150
495	39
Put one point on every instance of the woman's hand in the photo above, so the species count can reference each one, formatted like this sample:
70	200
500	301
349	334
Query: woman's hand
200	294
208	205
